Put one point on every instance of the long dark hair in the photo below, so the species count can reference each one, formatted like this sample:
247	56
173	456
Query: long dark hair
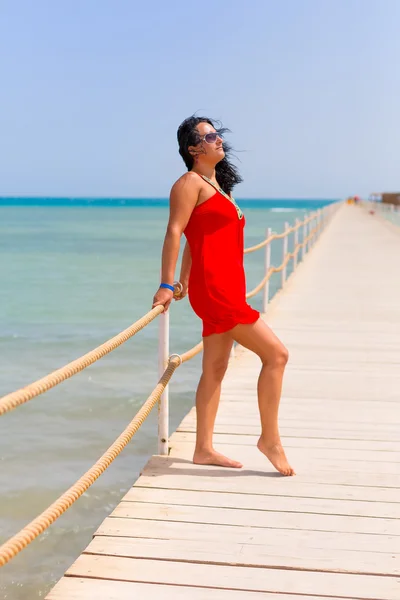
226	173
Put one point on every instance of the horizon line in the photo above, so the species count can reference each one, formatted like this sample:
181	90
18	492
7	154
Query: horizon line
15	197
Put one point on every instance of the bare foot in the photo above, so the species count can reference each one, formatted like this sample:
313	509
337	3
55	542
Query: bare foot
276	455
215	458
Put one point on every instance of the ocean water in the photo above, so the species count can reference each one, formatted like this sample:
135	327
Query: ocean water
74	272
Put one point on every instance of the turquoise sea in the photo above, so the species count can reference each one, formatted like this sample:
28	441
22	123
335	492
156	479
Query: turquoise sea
73	273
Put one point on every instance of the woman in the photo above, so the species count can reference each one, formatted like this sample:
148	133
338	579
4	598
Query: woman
202	207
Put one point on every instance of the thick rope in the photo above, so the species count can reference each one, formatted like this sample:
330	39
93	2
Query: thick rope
192	352
288	256
267	241
21	396
279	236
19	541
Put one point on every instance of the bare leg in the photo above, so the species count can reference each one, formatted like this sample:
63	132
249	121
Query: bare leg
216	352
259	338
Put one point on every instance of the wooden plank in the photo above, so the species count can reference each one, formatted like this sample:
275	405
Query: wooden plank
252	421
359	446
324	540
211	483
306	417
317	433
387	422
389	510
77	588
227	577
237	397
234	554
250	456
256	518
306	391
290	410
261	478
295	410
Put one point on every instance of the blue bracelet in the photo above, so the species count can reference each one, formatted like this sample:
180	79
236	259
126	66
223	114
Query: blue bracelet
167	286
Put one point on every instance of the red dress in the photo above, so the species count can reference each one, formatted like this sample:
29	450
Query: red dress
217	283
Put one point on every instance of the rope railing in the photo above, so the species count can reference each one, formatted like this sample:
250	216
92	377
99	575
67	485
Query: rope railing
390	212
168	365
11	401
19	541
278	236
280	268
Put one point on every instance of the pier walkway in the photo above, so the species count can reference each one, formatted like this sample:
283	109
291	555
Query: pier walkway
333	531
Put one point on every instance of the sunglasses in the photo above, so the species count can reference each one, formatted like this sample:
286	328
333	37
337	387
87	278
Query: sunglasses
210	138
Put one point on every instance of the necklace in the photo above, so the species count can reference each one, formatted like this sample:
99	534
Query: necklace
221	191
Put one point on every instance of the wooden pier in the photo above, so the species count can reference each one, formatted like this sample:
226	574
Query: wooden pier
333	531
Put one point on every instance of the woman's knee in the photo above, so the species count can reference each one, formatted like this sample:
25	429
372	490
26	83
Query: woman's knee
216	369
276	358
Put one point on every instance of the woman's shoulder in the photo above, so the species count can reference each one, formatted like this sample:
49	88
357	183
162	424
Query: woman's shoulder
189	180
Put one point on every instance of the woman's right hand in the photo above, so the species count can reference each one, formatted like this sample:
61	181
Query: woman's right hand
163	297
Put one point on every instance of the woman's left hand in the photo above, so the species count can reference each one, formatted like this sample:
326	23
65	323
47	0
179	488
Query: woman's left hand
181	293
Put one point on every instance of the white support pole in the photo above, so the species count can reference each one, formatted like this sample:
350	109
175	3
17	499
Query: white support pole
319	215
311	242
267	266
303	248
315	236
296	241
284	252
163	408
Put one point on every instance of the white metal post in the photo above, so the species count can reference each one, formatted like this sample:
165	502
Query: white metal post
296	241
315	236
303	248
284	252
267	266
318	223
311	227
163	408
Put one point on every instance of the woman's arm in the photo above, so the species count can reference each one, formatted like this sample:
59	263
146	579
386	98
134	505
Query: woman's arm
185	273
183	199
185	266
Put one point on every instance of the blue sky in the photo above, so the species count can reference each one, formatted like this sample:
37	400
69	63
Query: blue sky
92	93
